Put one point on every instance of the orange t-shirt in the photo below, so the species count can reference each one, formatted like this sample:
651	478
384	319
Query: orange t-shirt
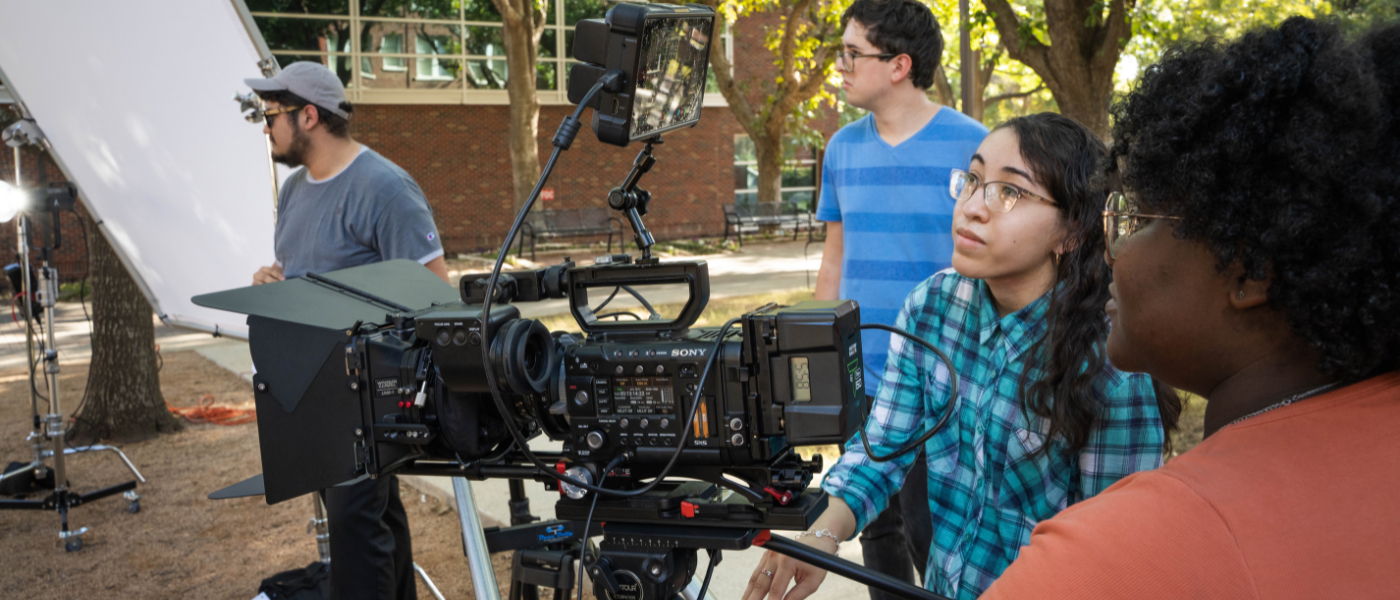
1299	502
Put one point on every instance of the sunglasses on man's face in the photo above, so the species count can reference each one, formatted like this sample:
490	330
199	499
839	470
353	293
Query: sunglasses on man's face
1122	219
270	115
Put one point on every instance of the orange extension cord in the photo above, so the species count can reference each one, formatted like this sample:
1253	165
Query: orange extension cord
206	412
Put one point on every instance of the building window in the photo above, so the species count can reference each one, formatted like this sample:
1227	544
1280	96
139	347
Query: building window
392	43
455	47
799	185
433	68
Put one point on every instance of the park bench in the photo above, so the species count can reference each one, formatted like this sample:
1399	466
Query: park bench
753	217
568	222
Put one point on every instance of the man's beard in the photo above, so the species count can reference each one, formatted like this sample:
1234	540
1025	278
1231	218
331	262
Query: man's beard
295	156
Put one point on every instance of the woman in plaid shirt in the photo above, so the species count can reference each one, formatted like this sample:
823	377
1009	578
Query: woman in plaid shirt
1021	315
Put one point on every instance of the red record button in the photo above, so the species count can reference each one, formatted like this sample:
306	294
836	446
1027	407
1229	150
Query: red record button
687	510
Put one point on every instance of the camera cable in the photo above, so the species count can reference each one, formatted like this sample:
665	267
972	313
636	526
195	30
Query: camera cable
583	541
639	297
705	585
563	138
943	420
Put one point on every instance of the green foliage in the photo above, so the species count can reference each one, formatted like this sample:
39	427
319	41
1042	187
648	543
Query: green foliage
1008	76
1160	24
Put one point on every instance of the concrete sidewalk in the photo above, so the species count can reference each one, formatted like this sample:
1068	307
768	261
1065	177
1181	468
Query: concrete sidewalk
756	269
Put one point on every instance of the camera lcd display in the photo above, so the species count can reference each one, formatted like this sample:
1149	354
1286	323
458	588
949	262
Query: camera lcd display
643	396
671	76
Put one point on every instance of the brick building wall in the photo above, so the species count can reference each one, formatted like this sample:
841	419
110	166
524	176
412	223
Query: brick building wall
460	157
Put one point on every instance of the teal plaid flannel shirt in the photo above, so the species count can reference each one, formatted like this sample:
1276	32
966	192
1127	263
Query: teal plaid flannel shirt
986	486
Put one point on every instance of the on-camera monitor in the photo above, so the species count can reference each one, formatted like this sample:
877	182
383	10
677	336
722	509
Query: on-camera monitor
671	76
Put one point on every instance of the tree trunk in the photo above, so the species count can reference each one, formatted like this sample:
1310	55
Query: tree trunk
1086	39
770	167
521	37
123	388
766	122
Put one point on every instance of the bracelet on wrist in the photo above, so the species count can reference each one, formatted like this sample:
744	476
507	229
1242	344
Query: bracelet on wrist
820	533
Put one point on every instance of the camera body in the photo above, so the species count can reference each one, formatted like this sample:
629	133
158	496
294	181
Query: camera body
377	397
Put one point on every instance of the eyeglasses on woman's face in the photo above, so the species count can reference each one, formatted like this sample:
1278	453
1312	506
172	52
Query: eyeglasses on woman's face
1121	219
999	195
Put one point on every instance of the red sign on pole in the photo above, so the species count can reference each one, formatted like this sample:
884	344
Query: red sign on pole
547	194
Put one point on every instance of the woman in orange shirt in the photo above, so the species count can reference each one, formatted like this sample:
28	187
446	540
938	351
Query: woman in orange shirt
1256	261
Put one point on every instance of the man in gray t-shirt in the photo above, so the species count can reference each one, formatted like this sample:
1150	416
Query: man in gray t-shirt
347	207
368	212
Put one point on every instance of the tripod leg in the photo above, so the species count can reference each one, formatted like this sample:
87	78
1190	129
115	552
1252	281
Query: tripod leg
474	542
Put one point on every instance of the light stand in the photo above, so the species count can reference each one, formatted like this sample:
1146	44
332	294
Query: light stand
49	434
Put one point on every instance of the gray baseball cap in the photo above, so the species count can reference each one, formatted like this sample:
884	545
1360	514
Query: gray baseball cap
310	80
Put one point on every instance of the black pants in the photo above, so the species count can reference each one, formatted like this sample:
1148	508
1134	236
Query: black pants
896	543
371	552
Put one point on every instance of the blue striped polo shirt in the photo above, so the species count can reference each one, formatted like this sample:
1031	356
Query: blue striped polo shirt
896	215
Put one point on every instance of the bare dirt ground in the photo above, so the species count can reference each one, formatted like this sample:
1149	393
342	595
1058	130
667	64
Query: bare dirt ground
182	545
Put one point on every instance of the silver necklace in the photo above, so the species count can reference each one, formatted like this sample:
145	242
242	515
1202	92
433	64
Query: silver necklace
1285	402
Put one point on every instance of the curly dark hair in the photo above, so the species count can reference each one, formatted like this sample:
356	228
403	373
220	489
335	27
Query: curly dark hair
1066	158
901	27
337	125
1281	152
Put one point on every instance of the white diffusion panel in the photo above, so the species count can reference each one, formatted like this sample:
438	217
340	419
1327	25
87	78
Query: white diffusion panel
136	99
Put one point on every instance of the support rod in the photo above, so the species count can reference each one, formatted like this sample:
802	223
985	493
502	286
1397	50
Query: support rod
848	569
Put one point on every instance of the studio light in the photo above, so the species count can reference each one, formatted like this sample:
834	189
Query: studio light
13	201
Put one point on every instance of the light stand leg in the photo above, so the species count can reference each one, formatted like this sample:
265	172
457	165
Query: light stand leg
320	527
101	447
428	582
474	542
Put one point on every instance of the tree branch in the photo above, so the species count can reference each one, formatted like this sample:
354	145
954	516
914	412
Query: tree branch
509	14
787	49
944	88
1029	51
724	78
1118	29
1012	96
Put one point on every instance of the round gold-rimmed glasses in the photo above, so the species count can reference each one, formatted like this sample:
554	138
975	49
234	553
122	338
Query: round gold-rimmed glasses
1121	220
999	195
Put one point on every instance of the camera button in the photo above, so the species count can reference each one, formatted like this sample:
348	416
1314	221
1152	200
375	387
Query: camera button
596	439
459	337
645	423
624	423
665	423
660	369
640	369
736	424
475	338
444	337
619	370
581	398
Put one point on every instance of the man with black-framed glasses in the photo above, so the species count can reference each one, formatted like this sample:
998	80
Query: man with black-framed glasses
889	218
